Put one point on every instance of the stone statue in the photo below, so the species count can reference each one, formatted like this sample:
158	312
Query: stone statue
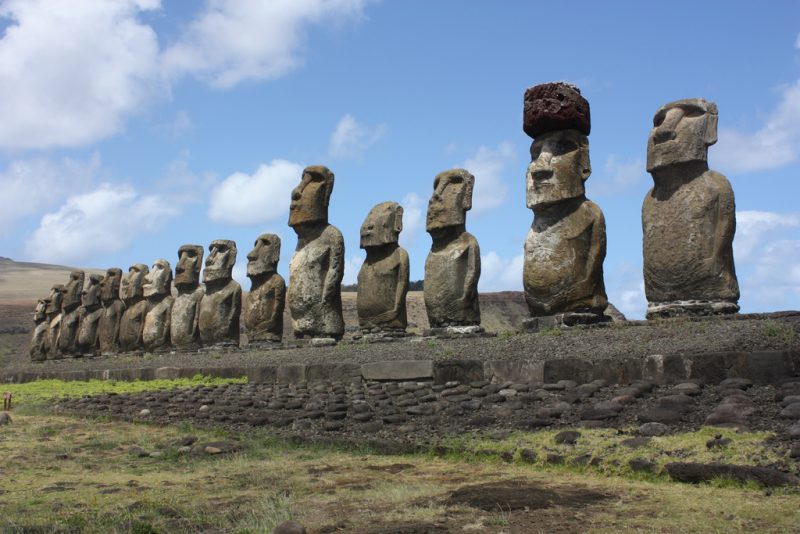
38	347
91	312
264	305
317	266
566	245
71	315
132	322
113	308
453	266
688	217
221	306
184	325
53	312
383	278
157	289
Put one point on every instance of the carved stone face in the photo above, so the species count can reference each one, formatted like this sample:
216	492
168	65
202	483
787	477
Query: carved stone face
131	287
56	298
72	296
91	295
310	199
451	199
109	287
220	261
682	132
264	257
39	313
382	225
159	280
559	167
190	260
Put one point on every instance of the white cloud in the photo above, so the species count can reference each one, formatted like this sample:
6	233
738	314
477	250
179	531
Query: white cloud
29	186
487	165
617	177
351	267
413	218
253	198
351	139
774	145
231	41
625	289
181	183
180	125
72	72
105	220
499	273
752	227
774	283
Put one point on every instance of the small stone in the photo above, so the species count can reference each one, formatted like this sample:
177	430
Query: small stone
507	392
323	342
184	449
332	426
5	418
212	450
688	388
567	437
795	451
790	399
204	408
624	399
718	442
794	431
144	413
660	415
653	429
527	455
289	527
637	442
642	464
137	451
156	454
791	412
738	383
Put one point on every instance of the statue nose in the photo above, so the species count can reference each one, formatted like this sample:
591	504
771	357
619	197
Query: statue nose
664	134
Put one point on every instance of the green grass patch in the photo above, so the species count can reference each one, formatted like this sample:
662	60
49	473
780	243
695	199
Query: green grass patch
41	391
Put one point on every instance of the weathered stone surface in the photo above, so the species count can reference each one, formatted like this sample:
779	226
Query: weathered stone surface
457	370
132	322
289	527
567	369
694	473
264	304
515	370
383	277
53	312
157	288
317	267
113	309
221	305
91	311
566	245
70	314
453	266
688	217
397	370
38	345
555	106
184	327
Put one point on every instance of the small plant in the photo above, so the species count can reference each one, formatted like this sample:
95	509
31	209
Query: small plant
779	331
507	334
553	331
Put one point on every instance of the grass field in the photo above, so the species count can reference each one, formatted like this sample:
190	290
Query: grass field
62	473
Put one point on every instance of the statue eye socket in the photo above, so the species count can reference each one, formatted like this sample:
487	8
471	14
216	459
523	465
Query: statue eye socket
692	111
536	151
564	147
658	119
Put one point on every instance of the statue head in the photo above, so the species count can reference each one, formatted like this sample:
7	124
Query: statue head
220	261
91	294
682	132
159	280
451	199
190	261
109	287
558	169
40	312
131	286
263	259
74	288
310	199
56	298
382	225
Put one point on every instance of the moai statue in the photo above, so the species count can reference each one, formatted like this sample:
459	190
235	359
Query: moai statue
264	305
566	245
221	305
184	325
38	347
132	322
53	312
157	289
688	217
91	312
317	266
453	266
71	315
113	308
383	278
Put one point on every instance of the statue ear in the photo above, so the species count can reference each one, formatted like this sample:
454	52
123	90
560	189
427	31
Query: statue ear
469	185
398	219
586	165
710	135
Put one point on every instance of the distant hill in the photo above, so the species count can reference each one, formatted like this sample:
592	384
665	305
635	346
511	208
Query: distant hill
25	281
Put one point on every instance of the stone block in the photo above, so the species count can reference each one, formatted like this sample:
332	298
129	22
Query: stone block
581	371
514	370
708	368
290	374
335	372
765	367
397	370
457	371
262	375
618	371
167	373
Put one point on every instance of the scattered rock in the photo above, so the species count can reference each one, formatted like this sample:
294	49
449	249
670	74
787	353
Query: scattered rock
144	413
695	473
527	455
795	451
718	442
688	388
642	464
5	418
567	437
289	527
794	431
637	442
137	451
791	412
653	429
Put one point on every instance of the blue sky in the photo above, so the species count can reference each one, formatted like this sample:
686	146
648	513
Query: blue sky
131	127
